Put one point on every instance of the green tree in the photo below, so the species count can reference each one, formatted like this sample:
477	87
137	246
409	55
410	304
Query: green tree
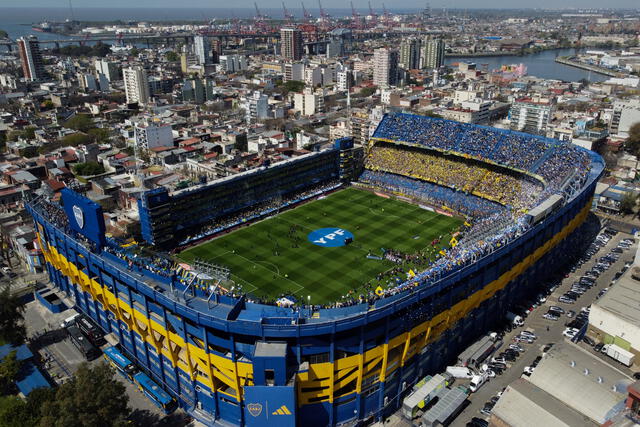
88	169
628	203
134	52
171	56
76	139
29	132
12	328
99	134
3	34
293	86
367	91
93	398
9	370
633	141
81	122
29	151
14	412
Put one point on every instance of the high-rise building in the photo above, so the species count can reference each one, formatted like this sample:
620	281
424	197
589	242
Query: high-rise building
385	67
294	72
31	58
151	134
409	58
256	107
202	49
432	53
291	40
233	63
193	90
531	115
87	82
136	85
309	102
108	68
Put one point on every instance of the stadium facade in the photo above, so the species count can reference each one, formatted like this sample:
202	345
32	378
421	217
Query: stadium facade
229	360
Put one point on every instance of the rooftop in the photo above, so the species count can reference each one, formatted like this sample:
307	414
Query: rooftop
623	299
567	368
525	405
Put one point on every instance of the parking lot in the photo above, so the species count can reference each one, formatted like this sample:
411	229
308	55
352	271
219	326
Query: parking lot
548	330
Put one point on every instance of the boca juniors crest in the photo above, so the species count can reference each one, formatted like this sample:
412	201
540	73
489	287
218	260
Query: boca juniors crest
255	409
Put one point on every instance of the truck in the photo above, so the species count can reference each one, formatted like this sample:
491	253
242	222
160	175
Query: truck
620	354
460	372
515	319
477	381
429	388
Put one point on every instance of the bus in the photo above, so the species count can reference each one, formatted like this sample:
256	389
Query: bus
119	361
92	332
158	396
88	350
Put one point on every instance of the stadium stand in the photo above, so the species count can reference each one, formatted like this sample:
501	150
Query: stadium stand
224	355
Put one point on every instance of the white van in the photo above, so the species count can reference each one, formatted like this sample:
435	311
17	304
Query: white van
460	372
477	381
69	320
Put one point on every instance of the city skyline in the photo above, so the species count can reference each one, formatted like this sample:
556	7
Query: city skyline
336	4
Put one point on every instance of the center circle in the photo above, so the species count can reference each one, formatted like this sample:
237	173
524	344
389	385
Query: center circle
331	237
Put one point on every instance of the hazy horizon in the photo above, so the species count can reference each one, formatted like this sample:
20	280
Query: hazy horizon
329	4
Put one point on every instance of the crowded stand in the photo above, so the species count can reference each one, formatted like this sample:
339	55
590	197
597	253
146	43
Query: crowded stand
551	159
468	176
432	194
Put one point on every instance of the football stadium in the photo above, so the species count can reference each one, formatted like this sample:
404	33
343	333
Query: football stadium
317	290
278	257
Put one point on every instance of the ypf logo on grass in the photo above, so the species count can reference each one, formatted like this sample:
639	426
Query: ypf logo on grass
330	237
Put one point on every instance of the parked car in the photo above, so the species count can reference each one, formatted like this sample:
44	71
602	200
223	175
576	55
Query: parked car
477	422
486	409
598	347
566	300
589	341
550	316
516	347
556	308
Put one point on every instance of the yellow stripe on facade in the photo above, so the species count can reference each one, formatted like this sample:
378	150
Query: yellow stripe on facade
330	375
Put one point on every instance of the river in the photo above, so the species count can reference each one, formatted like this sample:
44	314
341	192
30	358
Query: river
541	64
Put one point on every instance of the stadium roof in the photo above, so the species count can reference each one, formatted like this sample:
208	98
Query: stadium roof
525	405
582	381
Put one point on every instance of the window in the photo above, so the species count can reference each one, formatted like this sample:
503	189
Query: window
270	377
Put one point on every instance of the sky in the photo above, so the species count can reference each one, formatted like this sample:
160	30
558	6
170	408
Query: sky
313	4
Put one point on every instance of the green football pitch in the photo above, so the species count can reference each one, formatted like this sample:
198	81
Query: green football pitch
274	256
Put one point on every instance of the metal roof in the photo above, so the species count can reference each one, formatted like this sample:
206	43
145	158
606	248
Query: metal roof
525	405
582	381
447	404
437	381
623	299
